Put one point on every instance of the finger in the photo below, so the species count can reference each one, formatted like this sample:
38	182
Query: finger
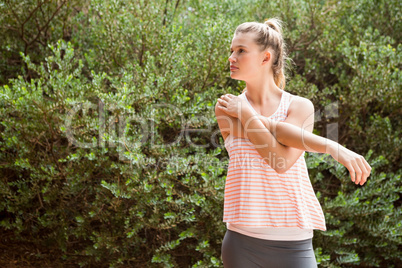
364	169
352	172
367	166
358	172
227	96
222	102
223	108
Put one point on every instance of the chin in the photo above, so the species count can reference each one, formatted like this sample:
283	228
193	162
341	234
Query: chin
235	76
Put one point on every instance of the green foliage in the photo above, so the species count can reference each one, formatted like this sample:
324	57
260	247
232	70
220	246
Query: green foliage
110	150
358	216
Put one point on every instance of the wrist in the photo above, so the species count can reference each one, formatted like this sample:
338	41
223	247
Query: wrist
332	148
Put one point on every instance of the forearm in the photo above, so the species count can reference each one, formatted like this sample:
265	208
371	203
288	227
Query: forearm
299	138
296	137
263	140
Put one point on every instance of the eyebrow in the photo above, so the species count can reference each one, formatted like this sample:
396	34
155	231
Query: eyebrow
239	46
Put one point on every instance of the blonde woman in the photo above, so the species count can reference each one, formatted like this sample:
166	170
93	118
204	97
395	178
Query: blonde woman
270	207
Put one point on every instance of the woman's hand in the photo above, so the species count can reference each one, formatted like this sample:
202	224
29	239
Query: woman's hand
358	167
231	104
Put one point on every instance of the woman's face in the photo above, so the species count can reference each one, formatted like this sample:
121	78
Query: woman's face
246	56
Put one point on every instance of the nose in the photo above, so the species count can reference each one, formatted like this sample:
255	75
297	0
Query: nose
231	59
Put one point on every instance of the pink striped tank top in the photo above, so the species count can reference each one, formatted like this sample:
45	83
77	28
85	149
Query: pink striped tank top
257	196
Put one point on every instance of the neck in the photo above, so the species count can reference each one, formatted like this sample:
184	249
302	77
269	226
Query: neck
260	91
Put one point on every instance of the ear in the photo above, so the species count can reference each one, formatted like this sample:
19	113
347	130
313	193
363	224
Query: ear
267	57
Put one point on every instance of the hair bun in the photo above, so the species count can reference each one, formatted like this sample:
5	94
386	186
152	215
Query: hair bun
275	24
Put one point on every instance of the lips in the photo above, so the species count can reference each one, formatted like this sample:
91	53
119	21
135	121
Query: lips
233	67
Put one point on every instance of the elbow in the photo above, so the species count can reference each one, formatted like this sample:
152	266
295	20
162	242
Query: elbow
282	167
281	170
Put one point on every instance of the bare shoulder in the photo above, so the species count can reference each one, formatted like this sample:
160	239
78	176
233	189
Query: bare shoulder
301	112
300	105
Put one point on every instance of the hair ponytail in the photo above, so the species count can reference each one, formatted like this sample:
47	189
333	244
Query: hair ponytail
275	24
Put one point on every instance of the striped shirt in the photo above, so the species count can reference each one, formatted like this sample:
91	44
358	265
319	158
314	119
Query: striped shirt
257	196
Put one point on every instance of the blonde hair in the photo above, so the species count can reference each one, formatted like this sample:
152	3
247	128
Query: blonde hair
269	35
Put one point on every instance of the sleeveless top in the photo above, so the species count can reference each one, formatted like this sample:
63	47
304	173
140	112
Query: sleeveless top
257	196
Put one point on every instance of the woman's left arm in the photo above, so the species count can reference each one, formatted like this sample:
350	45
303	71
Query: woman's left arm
291	137
289	134
280	157
300	117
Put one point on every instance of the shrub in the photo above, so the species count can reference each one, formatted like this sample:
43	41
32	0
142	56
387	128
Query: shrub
110	152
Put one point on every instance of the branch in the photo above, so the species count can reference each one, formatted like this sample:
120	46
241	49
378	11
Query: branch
175	8
31	14
47	23
164	13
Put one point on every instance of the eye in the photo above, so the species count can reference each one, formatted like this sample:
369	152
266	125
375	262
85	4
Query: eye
239	50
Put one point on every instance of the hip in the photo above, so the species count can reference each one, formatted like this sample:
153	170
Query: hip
240	250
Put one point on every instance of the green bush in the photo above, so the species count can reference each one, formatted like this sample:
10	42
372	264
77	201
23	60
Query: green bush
110	152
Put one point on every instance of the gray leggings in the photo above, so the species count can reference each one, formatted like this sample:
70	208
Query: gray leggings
242	251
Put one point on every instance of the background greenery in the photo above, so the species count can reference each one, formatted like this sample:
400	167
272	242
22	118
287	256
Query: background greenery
105	71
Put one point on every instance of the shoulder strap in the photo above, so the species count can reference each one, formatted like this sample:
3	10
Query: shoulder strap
286	102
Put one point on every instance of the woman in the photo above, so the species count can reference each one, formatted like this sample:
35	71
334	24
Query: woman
270	206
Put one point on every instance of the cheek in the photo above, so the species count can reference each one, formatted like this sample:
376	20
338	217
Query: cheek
242	61
249	64
249	61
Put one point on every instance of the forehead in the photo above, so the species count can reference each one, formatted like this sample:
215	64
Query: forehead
245	40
